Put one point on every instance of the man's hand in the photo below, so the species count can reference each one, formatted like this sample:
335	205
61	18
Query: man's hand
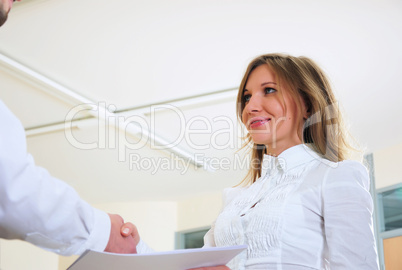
123	238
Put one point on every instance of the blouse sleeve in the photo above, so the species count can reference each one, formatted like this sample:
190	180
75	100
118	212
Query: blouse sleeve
209	239
347	211
143	248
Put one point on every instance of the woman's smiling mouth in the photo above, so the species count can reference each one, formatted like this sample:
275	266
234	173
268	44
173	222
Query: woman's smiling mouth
258	121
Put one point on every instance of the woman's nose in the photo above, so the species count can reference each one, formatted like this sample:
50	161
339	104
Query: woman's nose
254	104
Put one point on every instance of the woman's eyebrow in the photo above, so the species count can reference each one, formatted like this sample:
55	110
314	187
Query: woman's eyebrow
265	83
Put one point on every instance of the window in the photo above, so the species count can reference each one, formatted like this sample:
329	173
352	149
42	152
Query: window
390	208
191	238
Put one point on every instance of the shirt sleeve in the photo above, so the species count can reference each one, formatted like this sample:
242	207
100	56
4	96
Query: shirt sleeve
39	208
347	211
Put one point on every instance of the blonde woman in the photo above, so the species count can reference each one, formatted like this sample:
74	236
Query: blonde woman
303	205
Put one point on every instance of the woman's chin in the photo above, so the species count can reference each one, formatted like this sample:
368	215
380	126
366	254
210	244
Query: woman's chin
259	140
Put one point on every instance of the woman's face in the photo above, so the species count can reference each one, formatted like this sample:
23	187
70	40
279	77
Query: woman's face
271	117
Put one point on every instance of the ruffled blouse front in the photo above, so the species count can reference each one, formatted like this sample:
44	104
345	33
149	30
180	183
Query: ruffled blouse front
304	212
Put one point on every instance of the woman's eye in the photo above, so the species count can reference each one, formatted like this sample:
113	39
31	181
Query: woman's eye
246	98
269	90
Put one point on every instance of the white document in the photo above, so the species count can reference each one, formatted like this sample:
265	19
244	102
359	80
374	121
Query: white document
171	260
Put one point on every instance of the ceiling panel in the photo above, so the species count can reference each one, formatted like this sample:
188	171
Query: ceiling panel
33	106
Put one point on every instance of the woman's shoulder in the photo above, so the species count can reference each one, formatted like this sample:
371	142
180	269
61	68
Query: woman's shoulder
350	172
347	167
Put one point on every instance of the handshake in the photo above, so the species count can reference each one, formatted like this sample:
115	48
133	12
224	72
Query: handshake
124	238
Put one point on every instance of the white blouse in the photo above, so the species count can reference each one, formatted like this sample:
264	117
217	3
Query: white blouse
305	212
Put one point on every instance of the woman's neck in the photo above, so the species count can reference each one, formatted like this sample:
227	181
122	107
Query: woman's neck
278	149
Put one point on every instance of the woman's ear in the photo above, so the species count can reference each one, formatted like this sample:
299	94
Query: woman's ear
306	112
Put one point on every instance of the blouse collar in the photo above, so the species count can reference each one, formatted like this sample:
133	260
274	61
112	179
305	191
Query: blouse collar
289	159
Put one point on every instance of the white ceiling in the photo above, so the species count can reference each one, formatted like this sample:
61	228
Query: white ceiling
132	54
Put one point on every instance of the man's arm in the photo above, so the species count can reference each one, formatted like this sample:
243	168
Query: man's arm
43	210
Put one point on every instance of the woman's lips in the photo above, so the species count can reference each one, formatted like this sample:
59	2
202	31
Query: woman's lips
255	123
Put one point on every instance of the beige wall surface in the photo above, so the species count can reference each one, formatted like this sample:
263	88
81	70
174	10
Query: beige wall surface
198	211
155	221
17	255
388	166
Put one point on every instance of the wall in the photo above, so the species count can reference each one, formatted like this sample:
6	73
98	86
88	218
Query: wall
198	211
388	166
18	255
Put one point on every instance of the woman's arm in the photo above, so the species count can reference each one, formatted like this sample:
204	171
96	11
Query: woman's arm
347	210
209	240
143	248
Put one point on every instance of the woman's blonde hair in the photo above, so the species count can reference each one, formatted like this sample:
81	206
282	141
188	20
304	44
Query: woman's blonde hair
305	81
